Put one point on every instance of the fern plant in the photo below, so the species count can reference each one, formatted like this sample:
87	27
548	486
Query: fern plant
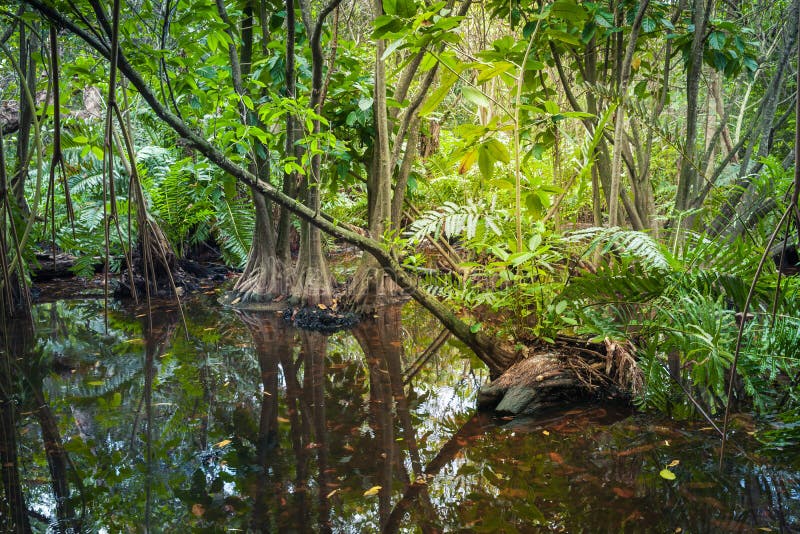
681	302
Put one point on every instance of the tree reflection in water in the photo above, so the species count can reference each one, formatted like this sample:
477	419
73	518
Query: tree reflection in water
270	429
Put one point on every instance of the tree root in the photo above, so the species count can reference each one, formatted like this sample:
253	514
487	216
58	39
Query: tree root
562	372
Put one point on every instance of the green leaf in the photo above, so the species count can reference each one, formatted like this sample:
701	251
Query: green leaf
475	328
392	47
390	7
495	69
485	162
365	103
439	94
568	10
551	107
475	96
497	150
667	474
717	40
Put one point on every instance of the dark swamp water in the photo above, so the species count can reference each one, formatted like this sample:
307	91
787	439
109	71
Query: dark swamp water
246	425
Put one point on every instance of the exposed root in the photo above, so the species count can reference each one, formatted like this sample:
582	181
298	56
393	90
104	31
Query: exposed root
262	282
563	372
372	288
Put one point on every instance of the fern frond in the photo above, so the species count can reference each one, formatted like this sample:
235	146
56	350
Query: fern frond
631	243
453	220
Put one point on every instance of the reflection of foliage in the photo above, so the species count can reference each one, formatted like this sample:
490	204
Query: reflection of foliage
204	470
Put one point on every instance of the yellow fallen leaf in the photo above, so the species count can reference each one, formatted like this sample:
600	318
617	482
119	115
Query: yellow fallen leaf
667	474
331	494
322	306
373	491
223	443
282	419
545	432
673	463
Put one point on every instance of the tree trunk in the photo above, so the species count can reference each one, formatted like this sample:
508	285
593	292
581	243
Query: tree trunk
687	180
265	276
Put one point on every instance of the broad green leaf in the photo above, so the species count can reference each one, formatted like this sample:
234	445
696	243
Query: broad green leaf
497	150
436	98
495	69
717	40
475	96
392	47
485	162
568	10
551	107
667	474
365	103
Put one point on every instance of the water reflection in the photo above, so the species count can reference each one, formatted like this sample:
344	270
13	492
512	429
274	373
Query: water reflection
242	423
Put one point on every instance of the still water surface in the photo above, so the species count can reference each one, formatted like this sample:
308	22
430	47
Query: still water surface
239	423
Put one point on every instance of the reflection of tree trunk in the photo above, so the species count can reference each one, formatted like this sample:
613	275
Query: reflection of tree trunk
315	348
57	460
159	329
380	337
18	344
473	427
271	341
300	432
380	404
13	512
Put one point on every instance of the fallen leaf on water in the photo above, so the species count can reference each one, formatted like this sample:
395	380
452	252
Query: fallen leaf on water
673	463
545	432
557	458
282	420
373	491
625	493
198	510
331	494
667	474
322	306
223	443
